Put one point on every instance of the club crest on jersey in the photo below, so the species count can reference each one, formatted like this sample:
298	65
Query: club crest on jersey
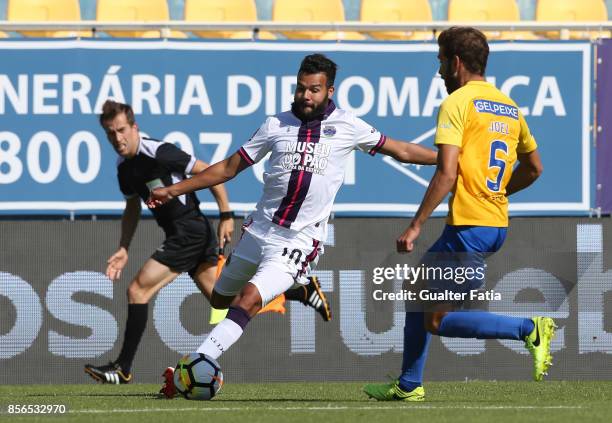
329	131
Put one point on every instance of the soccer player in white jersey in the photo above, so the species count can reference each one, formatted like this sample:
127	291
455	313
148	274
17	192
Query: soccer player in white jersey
282	239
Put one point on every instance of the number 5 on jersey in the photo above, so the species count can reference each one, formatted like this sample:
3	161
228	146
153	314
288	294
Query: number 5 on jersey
497	162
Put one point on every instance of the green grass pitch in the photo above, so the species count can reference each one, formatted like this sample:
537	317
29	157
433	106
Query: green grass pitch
474	402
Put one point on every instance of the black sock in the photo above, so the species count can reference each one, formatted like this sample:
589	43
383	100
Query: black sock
296	294
134	328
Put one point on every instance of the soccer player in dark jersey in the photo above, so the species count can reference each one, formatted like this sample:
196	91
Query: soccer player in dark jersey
190	244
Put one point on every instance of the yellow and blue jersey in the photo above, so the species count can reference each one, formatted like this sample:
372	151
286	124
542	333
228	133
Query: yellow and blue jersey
489	129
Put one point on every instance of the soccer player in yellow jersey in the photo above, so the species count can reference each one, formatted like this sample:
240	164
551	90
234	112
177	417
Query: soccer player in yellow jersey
480	135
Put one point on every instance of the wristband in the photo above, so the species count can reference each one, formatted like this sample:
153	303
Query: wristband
226	215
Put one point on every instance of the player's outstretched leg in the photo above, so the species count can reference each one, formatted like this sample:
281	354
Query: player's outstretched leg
536	332
311	295
538	344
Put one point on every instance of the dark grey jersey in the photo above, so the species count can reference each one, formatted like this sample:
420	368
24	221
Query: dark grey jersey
155	165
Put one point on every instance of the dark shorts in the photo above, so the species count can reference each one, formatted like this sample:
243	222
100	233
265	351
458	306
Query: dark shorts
189	243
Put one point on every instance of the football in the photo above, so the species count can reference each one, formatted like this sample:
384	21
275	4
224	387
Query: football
198	377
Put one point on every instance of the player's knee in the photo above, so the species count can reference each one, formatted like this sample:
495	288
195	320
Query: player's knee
431	327
137	293
249	299
432	323
205	278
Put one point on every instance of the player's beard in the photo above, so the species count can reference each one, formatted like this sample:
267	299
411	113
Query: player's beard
298	109
451	83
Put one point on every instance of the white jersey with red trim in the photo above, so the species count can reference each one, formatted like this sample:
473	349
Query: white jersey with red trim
307	164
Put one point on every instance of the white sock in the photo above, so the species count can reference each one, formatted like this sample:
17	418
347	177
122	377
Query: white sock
221	338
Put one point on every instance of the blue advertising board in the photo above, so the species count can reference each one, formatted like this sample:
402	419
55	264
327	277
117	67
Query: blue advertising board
209	97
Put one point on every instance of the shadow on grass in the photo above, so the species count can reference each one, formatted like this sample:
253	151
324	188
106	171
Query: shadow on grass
94	395
286	400
217	400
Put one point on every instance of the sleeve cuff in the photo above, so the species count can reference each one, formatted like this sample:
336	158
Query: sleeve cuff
378	146
245	156
447	142
190	165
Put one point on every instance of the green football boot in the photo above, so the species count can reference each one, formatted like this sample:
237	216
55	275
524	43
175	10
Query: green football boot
392	392
538	344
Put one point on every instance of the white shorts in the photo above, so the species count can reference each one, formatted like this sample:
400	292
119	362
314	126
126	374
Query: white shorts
270	257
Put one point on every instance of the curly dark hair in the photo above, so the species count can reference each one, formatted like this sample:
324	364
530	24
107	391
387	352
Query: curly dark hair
318	63
467	43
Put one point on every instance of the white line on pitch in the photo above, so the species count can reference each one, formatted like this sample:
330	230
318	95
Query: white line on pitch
332	408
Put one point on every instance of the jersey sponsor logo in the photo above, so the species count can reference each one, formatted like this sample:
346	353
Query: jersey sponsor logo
498	109
307	156
329	131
